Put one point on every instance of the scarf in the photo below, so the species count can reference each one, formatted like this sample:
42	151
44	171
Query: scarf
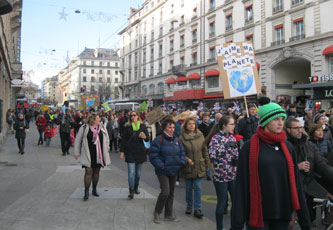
136	126
256	217
97	142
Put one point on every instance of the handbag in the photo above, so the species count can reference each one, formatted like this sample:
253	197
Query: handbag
146	143
26	130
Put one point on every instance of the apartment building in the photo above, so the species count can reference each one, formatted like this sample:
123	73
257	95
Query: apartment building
51	91
94	71
168	48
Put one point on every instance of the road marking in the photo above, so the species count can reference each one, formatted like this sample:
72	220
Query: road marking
209	199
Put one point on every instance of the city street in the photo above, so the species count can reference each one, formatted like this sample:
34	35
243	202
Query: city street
43	190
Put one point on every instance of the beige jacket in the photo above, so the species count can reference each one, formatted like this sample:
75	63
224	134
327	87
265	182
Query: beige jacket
81	147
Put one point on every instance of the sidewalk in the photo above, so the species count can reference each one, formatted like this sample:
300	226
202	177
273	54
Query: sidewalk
45	190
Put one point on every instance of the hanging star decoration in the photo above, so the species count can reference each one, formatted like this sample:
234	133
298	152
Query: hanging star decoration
63	15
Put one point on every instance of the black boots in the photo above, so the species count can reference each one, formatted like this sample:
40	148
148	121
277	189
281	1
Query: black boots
86	195
131	193
94	192
136	189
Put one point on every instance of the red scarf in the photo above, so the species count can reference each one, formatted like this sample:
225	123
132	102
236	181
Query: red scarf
256	217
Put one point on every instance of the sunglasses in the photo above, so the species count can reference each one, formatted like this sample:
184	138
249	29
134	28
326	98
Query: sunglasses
133	115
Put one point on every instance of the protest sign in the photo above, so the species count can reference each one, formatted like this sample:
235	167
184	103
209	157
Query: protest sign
155	115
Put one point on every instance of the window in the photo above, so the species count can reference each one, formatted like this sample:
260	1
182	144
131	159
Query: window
160	67
116	64
161	17
151	89
152	53
182	61
279	32
161	31
84	79
248	13
171	45
228	20
299	26
249	38
194	58
160	88
331	64
172	8
100	80
100	71
92	71
212	82
136	75
129	60
92	63
100	63
182	19
278	6
144	89
136	58
152	35
144	71
212	4
171	63
109	63
152	69
160	52
212	29
194	35
92	79
294	2
129	75
144	39
108	80
84	71
182	3
182	40
92	88
84	62
144	56
212	53
116	80
116	72
108	72
195	13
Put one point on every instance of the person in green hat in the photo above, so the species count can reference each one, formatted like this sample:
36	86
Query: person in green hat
268	189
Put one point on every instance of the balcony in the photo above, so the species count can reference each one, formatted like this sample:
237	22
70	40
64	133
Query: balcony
228	27
193	64
171	49
194	40
182	23
194	17
211	9
179	70
211	59
151	75
171	29
277	9
160	54
182	45
297	37
169	70
161	34
276	43
151	58
249	19
295	2
212	34
227	1
159	73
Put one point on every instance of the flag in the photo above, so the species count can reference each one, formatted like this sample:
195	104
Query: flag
217	106
200	107
164	107
236	106
143	106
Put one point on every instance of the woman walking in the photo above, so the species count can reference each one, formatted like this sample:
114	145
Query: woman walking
167	155
223	152
92	146
41	123
197	163
134	151
21	126
268	188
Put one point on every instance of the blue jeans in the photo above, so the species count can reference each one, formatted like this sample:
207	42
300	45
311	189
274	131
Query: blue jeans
48	142
41	132
221	189
193	184
134	173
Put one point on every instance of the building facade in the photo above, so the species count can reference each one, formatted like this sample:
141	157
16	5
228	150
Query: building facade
51	91
10	49
168	48
94	71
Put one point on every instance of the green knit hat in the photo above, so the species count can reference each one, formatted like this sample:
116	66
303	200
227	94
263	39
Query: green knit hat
269	112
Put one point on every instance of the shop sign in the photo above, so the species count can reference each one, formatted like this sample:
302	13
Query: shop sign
323	93
321	78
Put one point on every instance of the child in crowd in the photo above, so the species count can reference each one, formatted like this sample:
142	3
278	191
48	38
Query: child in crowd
48	134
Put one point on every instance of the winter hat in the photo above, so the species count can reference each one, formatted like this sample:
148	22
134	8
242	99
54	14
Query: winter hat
317	117
270	111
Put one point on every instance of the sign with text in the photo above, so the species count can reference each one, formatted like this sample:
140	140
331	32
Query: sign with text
155	115
238	69
321	78
90	100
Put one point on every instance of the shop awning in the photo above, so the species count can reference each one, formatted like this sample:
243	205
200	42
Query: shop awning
328	50
171	80
258	66
212	72
168	99
194	76
213	96
181	78
189	94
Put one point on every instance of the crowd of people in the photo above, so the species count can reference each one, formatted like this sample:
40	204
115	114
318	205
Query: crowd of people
272	162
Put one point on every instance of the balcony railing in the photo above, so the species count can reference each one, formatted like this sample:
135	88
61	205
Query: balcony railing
194	17
211	59
228	27
169	70
160	54
159	73
211	9
297	37
194	40
150	75
171	29
182	23
227	1
179	70
182	45
171	49
277	8
194	64
276	43
212	34
249	19
294	2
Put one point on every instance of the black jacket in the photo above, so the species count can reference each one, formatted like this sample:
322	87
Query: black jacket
132	145
241	200
318	167
20	125
66	124
247	127
205	129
